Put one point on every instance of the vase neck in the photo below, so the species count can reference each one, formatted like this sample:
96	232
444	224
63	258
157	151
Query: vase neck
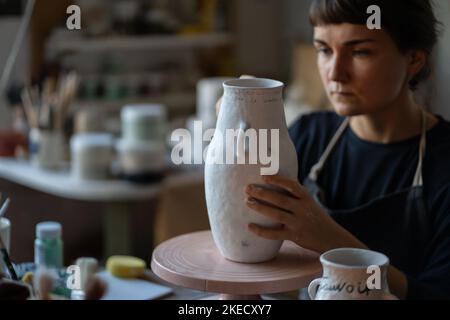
261	108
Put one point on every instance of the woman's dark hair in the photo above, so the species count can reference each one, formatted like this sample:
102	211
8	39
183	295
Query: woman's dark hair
410	23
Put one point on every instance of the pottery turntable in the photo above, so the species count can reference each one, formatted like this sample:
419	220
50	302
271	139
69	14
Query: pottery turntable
193	261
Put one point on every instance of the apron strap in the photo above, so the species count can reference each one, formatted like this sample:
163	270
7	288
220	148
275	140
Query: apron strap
317	168
418	177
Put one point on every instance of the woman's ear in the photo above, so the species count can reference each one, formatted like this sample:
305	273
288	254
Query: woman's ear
418	60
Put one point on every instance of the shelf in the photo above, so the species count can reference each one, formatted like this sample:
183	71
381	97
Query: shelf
173	101
60	183
86	45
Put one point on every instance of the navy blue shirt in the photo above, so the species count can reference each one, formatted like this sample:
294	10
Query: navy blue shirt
359	171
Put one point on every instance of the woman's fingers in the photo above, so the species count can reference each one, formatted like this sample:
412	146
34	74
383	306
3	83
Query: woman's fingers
274	214
268	233
272	197
293	187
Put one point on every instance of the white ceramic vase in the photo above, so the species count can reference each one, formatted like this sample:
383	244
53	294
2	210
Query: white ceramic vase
247	104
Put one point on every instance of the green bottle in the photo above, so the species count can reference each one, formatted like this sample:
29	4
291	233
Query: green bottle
48	246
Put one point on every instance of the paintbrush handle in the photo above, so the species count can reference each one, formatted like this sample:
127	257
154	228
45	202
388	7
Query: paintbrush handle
9	265
4	207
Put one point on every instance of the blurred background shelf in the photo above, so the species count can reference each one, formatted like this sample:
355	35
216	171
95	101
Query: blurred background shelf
153	42
175	101
61	184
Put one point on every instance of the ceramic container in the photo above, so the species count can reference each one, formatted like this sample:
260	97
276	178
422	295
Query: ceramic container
144	123
247	104
46	148
141	161
352	274
92	155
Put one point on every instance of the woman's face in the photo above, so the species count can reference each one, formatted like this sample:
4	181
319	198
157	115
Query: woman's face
363	71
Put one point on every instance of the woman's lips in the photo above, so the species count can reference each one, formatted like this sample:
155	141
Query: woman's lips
343	93
343	96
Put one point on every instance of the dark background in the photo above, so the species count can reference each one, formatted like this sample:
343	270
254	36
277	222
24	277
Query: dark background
10	7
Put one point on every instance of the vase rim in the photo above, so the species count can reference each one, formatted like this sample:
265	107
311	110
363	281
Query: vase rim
253	83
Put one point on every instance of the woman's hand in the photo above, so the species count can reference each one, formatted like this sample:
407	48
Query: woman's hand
12	290
304	221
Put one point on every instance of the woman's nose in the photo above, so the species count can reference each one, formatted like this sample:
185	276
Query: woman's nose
338	71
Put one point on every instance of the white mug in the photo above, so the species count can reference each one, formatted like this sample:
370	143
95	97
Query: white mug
5	233
352	274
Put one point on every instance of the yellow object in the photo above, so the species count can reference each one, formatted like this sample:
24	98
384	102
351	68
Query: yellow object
207	22
125	266
208	14
28	278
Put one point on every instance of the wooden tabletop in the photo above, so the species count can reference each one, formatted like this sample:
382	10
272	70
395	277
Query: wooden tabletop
194	262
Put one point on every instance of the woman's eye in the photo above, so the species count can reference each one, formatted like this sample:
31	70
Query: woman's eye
325	51
361	53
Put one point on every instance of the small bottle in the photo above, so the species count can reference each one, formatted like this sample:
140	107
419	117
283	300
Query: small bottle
88	268
48	246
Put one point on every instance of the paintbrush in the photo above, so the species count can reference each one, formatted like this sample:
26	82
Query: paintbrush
7	260
4	207
30	111
3	249
47	101
66	93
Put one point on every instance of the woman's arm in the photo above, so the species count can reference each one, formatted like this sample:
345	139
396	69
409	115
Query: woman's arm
303	219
